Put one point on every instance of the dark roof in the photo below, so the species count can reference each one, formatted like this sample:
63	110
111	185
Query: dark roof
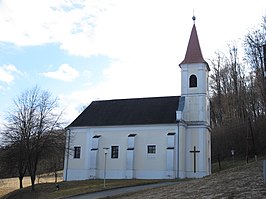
193	54
155	110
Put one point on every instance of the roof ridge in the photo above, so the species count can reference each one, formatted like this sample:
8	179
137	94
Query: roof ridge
136	98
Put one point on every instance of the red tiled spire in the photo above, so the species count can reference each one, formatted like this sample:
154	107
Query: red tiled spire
193	54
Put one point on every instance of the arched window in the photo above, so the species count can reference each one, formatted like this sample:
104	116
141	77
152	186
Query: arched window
192	81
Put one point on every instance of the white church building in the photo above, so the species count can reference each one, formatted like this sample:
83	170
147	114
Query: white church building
146	138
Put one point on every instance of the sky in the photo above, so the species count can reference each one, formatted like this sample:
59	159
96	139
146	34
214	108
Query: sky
85	50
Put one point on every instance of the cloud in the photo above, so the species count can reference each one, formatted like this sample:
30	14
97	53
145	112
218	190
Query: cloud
112	27
89	27
64	73
49	21
7	73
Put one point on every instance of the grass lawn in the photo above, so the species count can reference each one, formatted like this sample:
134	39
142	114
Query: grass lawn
230	163
48	190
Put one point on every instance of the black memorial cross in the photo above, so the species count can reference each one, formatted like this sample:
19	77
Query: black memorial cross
195	152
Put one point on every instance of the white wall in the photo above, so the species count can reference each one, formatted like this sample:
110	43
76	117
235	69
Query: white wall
145	165
77	168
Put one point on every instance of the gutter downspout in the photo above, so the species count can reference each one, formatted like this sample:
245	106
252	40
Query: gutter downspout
177	169
68	145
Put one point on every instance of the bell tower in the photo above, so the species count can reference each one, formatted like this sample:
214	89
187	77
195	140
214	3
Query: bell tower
194	82
195	117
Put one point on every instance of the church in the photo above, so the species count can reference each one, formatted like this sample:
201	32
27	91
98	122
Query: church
146	138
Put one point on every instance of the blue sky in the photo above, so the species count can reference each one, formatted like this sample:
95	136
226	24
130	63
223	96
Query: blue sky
84	50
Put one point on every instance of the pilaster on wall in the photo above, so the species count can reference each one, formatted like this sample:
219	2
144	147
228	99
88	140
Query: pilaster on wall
170	155
182	138
93	156
130	156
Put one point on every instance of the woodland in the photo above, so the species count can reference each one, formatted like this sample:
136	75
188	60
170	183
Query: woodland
238	97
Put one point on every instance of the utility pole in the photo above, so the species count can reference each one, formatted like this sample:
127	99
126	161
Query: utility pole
264	59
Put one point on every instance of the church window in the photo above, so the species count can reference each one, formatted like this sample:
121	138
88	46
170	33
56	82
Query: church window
192	81
114	152
151	149
77	150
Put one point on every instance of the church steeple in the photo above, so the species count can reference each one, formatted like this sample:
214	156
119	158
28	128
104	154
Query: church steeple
193	54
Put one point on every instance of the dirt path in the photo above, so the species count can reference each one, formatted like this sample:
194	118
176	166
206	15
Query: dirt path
240	182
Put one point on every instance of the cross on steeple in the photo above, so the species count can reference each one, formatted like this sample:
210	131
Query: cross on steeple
193	18
195	152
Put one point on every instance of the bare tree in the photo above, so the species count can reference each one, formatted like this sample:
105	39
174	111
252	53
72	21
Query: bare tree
54	159
13	163
31	125
253	44
216	88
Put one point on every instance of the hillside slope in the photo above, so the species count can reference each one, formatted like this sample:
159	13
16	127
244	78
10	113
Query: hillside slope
239	182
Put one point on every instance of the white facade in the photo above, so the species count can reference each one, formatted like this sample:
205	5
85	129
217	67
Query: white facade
133	160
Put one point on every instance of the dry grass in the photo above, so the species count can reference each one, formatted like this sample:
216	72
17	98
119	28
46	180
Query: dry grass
46	189
11	184
241	180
